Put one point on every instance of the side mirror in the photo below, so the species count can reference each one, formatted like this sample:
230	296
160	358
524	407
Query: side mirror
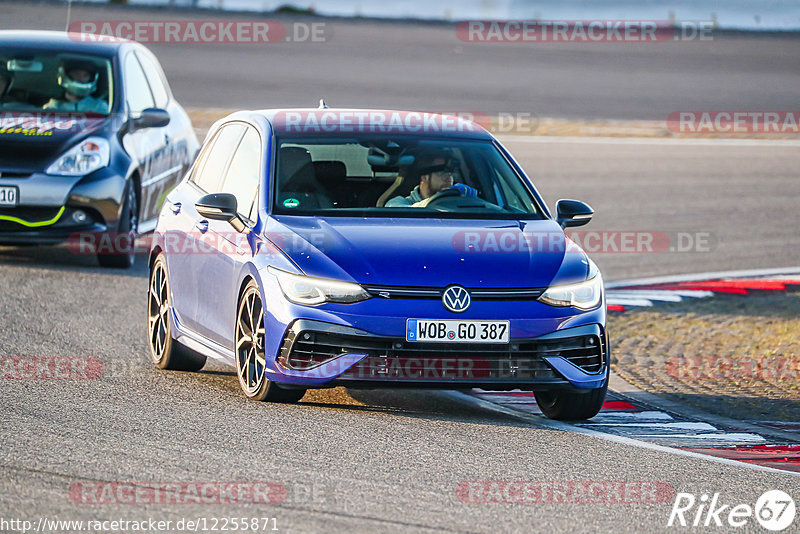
150	118
573	213
220	207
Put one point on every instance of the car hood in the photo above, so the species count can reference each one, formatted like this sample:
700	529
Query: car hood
31	142
430	252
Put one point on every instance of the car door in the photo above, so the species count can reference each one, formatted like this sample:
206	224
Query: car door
179	240
147	146
217	302
180	142
192	265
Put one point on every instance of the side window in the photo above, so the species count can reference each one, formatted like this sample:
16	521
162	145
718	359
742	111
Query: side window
244	172
209	177
137	90
201	160
155	77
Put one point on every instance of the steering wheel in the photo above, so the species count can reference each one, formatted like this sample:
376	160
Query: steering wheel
452	200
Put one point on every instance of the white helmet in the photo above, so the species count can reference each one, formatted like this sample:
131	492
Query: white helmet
73	86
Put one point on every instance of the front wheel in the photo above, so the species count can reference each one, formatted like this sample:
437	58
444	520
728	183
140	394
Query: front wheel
569	406
251	363
126	234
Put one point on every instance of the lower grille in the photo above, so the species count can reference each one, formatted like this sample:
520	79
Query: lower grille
395	358
8	175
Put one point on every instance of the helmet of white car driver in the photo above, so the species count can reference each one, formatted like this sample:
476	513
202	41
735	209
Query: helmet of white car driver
74	86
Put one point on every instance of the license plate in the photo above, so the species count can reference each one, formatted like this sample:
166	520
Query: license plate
454	331
9	195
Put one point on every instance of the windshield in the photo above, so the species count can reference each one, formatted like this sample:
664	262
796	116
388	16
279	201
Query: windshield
399	177
53	81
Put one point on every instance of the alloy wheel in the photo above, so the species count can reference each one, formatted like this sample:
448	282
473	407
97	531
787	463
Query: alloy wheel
158	311
250	358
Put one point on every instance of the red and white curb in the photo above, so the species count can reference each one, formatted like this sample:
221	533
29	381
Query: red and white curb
632	423
768	445
645	292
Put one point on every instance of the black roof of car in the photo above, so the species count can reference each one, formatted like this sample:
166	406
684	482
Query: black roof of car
61	41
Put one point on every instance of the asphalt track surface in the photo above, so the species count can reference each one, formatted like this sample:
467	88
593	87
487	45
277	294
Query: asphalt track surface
381	461
425	66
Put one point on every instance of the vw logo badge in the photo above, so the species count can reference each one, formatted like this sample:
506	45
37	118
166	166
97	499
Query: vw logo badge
456	299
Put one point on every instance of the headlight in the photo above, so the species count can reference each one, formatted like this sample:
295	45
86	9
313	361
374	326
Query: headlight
85	157
303	289
583	295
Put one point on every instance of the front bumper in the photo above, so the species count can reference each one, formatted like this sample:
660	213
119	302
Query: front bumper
27	225
315	353
45	217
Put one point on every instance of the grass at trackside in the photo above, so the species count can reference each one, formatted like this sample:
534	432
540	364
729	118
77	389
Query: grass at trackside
733	355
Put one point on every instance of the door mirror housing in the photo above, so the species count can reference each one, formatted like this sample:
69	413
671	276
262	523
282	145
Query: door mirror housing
570	213
220	207
150	118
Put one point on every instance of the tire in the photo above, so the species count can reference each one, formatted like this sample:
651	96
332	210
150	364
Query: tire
166	352
249	352
568	406
128	224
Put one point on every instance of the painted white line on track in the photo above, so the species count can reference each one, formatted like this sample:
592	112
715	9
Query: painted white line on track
729	437
566	427
684	425
611	301
643	295
695	293
627	417
510	400
680	141
636	396
696	277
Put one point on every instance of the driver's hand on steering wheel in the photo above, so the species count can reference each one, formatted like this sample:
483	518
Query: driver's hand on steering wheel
465	190
456	190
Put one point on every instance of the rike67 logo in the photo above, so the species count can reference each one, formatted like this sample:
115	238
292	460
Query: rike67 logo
774	510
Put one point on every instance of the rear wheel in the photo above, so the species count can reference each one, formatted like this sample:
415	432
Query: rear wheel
569	406
126	233
251	360
165	351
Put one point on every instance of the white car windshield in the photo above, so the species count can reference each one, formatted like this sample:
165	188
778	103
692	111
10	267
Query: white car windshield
54	81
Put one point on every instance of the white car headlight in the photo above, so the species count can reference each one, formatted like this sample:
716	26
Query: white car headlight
85	157
303	289
584	295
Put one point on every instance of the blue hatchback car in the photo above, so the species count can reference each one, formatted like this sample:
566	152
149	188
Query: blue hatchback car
313	248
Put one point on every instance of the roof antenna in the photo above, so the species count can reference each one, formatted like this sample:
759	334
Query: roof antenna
69	15
322	104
